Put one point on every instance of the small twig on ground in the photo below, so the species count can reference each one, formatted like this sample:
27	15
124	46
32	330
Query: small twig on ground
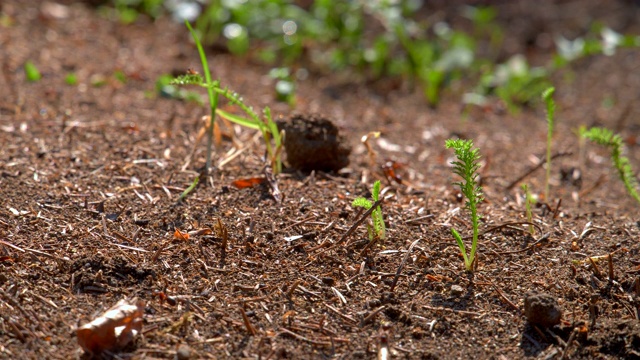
247	324
565	352
337	312
370	317
611	274
543	238
463	312
300	337
557	209
538	166
505	298
595	268
404	261
359	222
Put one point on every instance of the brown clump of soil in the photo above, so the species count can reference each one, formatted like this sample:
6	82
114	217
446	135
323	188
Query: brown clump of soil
542	309
313	142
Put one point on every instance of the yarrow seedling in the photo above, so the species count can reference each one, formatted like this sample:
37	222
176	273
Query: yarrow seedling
467	167
528	199
268	127
376	231
547	96
607	138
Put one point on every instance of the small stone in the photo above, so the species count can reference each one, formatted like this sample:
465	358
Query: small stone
456	290
183	353
542	309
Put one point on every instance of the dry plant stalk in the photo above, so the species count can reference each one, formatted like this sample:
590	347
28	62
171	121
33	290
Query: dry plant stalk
113	329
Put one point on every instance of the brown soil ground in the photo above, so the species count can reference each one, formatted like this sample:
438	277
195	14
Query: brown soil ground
90	178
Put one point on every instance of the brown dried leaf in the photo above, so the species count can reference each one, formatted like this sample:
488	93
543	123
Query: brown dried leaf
113	329
179	235
248	182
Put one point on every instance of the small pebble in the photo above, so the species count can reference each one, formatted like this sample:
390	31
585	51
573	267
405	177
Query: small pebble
183	353
542	309
456	290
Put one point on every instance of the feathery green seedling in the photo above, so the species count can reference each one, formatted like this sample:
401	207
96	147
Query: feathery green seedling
268	127
32	72
528	199
467	168
378	230
607	138
547	96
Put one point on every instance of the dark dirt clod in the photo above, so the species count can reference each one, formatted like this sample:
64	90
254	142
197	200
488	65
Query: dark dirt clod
542	309
313	142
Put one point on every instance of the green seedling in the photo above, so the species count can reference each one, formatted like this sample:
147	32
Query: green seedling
547	96
467	167
268	127
71	79
613	142
189	189
165	89
528	199
32	72
213	97
377	231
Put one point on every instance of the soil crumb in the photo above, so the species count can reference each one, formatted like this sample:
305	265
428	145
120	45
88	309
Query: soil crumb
313	142
542	309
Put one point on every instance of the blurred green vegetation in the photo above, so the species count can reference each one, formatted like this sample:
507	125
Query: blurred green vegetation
377	39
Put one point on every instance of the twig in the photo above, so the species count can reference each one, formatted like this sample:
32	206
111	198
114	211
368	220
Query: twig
611	275
370	317
292	289
337	312
569	342
543	238
596	271
404	261
505	298
250	329
498	227
300	337
464	312
538	166
360	221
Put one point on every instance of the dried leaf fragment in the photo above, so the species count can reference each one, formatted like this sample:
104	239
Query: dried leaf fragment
248	182
113	329
179	235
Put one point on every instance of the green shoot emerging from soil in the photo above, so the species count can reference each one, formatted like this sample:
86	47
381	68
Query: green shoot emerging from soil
527	204
213	97
31	71
467	168
268	128
607	138
547	96
378	230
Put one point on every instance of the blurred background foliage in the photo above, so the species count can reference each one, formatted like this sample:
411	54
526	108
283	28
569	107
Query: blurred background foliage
377	40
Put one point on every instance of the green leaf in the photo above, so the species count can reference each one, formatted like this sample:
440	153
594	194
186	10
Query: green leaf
252	124
463	250
188	79
362	202
32	72
375	194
